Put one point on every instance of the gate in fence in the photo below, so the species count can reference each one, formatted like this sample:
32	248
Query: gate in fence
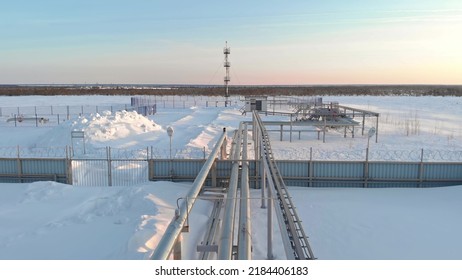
109	172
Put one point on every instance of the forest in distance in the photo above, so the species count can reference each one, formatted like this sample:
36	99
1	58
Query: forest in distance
214	90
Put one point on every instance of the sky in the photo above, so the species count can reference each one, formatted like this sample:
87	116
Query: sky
298	42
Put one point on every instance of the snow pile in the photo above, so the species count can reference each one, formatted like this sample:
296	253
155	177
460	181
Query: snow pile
107	126
104	128
47	220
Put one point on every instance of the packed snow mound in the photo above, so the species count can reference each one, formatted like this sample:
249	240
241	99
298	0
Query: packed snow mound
108	126
100	128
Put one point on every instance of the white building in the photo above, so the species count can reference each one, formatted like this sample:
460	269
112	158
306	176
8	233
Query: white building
257	103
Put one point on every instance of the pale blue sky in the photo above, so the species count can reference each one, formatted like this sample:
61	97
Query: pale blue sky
272	42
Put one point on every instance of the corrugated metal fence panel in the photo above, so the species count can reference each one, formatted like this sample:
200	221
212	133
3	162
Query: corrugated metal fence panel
441	184
253	174
224	168
442	171
44	166
9	180
177	168
393	170
8	166
296	183
293	168
160	168
338	170
392	185
338	184
189	168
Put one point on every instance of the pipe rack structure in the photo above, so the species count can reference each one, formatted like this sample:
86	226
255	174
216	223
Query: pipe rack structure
295	242
244	236
225	246
170	239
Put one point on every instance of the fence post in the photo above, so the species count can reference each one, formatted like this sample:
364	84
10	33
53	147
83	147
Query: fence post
68	167
281	133
310	171
290	138
366	168
19	164
421	168
214	174
151	170
109	166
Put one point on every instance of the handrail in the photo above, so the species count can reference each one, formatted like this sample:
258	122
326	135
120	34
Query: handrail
175	227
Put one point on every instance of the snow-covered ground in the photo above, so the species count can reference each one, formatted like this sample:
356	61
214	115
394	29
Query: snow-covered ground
47	220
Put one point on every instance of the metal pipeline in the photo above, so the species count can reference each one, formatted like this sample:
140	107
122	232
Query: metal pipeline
225	246
244	237
175	227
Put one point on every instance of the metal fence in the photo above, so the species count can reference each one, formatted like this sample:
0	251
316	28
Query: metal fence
113	171
372	174
64	110
182	102
43	116
25	170
108	172
415	155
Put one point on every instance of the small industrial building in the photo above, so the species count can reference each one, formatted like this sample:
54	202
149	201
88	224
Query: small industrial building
256	103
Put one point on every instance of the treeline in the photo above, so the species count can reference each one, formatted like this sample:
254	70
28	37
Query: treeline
410	90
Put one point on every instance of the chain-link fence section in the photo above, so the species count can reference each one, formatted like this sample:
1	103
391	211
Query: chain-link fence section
415	155
102	153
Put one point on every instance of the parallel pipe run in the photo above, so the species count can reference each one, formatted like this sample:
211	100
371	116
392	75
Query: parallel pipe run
170	237
225	246
244	240
298	239
269	238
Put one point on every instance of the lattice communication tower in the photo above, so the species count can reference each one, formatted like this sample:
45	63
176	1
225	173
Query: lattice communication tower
227	64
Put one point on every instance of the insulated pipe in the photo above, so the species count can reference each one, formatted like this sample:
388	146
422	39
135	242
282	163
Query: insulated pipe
269	226
244	237
175	227
225	247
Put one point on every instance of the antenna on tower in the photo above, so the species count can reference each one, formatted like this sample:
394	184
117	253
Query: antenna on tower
227	64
